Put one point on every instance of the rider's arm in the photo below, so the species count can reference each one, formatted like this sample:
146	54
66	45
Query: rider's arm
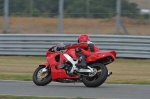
77	45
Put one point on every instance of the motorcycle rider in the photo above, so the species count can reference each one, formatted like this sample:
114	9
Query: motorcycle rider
83	48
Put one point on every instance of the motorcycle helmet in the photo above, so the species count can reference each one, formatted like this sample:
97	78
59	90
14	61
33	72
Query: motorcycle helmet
83	38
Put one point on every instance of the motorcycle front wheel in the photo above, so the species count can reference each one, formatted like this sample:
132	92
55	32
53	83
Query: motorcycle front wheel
99	78
41	78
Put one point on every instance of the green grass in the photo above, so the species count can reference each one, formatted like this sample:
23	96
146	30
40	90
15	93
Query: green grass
23	77
125	71
124	82
33	97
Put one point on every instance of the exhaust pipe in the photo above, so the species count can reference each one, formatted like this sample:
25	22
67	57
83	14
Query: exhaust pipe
109	73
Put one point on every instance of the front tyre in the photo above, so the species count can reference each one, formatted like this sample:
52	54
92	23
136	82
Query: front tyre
99	78
41	78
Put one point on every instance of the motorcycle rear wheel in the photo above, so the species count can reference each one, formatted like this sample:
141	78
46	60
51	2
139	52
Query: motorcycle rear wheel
41	81
99	78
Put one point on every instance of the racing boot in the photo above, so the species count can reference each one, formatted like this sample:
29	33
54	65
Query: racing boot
82	63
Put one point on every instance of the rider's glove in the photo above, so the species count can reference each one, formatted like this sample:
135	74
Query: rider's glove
60	48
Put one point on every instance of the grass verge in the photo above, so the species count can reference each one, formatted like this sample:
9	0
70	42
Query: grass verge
125	71
33	97
23	77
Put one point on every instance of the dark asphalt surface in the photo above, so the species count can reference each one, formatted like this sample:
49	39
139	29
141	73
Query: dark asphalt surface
105	91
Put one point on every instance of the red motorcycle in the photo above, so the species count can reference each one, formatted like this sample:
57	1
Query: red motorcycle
61	67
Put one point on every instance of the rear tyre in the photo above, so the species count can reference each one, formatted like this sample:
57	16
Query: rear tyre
99	78
41	79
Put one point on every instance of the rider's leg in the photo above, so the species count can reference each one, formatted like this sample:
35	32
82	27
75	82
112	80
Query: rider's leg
82	58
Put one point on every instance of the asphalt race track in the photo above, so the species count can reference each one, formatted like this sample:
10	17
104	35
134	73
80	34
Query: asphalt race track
107	91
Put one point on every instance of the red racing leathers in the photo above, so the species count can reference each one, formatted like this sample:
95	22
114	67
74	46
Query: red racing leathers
87	48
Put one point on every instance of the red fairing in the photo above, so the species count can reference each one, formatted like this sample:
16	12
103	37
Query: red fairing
56	72
100	55
72	53
51	59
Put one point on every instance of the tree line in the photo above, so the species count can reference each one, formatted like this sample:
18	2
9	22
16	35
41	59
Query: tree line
72	8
